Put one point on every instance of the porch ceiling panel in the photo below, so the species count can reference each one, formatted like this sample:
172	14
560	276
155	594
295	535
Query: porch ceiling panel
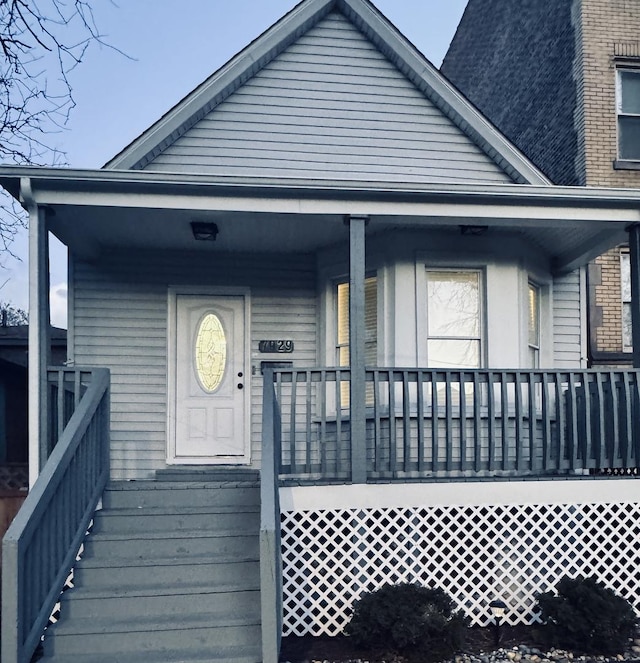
96	210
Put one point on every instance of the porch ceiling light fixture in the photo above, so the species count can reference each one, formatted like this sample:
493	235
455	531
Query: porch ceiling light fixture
473	231
204	231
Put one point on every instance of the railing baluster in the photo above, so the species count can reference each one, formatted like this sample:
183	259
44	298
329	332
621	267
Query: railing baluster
628	446
477	405
615	455
562	422
462	400
377	428
307	375
435	432
518	419
573	423
600	451
533	417
406	424
449	421
546	420
323	424
584	449
292	423
61	421
491	421
635	417
420	422
504	414
338	392
393	451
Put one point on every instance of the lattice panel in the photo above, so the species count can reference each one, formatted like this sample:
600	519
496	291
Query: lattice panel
475	553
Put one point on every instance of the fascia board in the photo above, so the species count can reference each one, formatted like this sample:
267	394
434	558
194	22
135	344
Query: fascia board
221	84
142	188
433	84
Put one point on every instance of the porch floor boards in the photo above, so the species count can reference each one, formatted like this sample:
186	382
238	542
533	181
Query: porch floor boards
170	573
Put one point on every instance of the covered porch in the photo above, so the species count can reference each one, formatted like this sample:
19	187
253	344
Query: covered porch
314	423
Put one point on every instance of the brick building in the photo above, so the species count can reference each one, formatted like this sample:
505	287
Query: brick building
561	79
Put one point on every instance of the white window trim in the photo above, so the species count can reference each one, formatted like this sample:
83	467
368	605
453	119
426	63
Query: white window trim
422	306
619	113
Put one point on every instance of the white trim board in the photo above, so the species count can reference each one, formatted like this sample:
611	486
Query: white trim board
399	495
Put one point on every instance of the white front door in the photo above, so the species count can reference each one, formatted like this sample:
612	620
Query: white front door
211	384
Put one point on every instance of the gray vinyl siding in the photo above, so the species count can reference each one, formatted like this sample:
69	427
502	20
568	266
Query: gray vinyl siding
567	321
120	321
330	106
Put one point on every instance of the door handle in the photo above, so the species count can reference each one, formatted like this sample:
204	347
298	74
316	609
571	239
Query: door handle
240	385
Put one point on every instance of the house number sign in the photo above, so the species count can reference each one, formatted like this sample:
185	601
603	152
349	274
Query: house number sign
281	347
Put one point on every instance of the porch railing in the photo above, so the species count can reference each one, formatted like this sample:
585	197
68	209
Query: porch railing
41	544
445	424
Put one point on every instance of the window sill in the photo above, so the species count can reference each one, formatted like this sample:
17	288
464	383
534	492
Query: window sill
626	164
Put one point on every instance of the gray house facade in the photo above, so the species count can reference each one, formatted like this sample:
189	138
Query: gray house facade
322	268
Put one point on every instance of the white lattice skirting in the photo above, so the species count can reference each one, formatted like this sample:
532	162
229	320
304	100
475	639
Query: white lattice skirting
475	553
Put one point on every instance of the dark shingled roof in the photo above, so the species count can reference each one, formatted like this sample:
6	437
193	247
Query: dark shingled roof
514	61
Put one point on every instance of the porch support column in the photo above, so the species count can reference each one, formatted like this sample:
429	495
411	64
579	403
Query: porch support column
356	348
634	261
39	345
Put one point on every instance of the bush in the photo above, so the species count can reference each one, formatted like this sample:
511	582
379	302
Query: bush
586	616
405	618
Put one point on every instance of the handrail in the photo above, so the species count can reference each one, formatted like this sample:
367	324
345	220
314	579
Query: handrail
41	544
435	423
270	561
270	555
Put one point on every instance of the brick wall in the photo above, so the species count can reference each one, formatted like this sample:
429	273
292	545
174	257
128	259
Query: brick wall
606	25
607	317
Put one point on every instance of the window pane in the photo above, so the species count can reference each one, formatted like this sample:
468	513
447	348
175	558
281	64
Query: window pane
534	315
370	321
630	91
629	137
453	353
453	303
627	338
625	277
343	313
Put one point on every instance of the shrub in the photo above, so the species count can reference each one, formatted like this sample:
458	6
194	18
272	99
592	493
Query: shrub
586	616
405	618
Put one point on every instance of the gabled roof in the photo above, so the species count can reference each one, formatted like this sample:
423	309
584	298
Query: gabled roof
382	34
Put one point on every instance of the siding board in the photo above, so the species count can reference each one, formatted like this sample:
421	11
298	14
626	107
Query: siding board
567	321
331	105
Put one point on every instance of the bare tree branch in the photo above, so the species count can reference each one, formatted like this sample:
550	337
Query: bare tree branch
41	42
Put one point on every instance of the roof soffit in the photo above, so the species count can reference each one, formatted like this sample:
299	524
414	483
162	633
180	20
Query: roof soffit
382	34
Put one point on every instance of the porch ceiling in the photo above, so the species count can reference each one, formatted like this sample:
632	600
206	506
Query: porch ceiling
94	211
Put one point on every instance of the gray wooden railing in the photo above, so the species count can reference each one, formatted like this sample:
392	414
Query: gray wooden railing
270	555
424	423
42	543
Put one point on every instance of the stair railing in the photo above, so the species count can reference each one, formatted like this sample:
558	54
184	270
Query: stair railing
42	543
270	553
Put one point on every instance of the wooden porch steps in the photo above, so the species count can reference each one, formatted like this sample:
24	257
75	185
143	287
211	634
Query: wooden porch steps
170	574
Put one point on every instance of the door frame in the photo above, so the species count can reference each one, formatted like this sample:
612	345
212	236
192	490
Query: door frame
172	324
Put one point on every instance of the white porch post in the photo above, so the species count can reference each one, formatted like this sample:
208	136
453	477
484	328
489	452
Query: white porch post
39	345
357	402
634	262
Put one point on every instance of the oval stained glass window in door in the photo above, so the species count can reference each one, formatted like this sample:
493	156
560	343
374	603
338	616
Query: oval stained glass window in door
210	352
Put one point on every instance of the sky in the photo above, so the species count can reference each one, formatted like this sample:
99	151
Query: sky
165	49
